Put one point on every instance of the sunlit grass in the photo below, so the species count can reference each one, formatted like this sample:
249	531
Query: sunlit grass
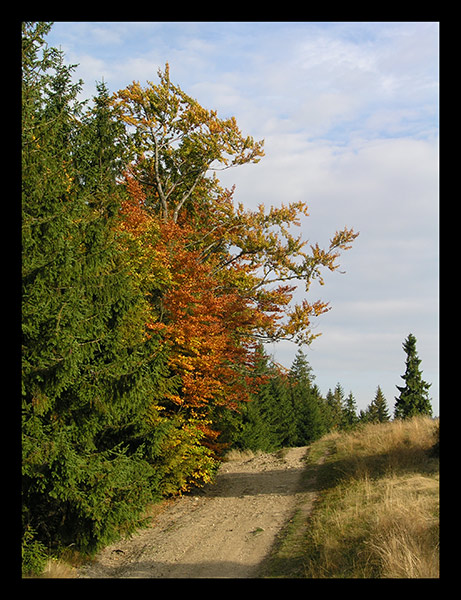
379	507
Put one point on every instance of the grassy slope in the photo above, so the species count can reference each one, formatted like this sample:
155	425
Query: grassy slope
377	511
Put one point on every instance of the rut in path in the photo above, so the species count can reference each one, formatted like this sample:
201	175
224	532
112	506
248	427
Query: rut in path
225	530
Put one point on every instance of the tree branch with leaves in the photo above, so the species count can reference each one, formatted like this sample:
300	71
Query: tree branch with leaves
176	142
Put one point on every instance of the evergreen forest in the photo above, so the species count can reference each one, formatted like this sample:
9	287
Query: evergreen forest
148	294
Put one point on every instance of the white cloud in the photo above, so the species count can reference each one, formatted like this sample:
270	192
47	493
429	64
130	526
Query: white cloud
349	116
105	36
90	68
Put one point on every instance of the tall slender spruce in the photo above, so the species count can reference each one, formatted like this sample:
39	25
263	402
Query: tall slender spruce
414	398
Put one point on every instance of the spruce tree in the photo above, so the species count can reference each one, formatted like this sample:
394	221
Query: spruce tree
255	432
307	401
334	407
349	419
300	370
284	417
414	398
269	420
377	412
257	427
89	373
332	411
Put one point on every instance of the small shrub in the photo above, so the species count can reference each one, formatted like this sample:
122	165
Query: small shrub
34	554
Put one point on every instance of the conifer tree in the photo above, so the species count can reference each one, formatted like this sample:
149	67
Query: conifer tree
269	419
414	398
330	411
90	375
307	401
254	432
350	418
257	415
334	407
300	370
284	415
377	412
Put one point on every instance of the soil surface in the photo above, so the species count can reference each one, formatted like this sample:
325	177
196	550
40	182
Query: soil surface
225	530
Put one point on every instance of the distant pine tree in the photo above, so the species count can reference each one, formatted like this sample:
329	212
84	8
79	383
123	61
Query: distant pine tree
301	371
414	398
307	401
350	418
378	411
334	405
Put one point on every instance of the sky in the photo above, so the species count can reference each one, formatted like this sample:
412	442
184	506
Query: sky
349	112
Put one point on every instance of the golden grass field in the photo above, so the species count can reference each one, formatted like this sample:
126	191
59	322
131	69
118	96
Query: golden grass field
378	510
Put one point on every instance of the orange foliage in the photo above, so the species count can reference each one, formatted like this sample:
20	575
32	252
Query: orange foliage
200	325
196	319
212	305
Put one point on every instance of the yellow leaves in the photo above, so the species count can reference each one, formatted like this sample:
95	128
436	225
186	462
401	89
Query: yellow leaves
299	320
183	139
215	127
343	239
37	145
155	414
175	398
69	181
130	120
326	258
156	327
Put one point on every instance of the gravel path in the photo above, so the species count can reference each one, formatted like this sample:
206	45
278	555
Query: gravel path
224	531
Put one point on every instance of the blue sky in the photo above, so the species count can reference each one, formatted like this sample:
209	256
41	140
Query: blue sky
349	114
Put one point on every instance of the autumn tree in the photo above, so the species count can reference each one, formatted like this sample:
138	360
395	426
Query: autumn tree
228	274
176	144
196	320
177	141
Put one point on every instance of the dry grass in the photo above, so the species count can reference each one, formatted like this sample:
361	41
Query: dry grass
235	454
378	517
405	538
57	569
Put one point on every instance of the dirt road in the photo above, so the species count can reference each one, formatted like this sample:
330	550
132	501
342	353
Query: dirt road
225	530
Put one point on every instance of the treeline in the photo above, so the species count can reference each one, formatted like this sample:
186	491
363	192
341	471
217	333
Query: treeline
289	410
146	295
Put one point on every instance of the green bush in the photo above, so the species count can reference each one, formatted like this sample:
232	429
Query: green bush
34	554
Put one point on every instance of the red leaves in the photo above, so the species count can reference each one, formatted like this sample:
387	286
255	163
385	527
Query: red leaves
200	326
212	304
196	319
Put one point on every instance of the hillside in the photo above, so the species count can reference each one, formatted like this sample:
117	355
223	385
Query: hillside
378	509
